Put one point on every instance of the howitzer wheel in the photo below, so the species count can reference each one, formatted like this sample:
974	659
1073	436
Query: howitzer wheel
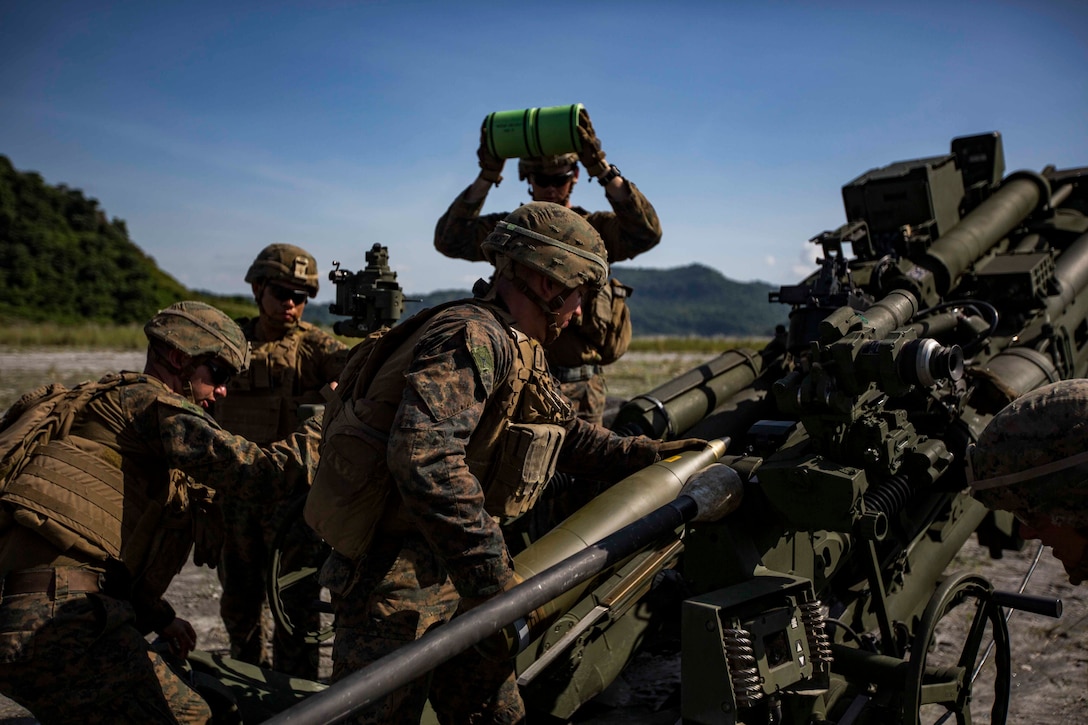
278	581
932	687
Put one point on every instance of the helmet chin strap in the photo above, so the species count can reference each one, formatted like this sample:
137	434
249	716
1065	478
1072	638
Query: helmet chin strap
550	308
183	373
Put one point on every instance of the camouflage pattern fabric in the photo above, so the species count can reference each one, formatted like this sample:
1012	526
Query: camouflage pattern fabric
551	239
631	228
588	396
80	658
405	593
442	545
261	405
198	329
285	263
148	430
1031	459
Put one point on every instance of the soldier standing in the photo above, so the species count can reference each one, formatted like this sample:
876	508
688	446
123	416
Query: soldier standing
451	413
292	361
1032	460
601	333
94	525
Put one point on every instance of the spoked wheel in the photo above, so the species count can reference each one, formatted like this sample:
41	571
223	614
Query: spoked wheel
944	690
281	578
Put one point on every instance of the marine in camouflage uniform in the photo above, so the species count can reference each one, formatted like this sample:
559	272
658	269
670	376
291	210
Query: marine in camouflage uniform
447	396
1032	460
97	522
631	228
292	361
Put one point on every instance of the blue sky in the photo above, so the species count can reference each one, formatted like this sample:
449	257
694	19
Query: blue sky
214	129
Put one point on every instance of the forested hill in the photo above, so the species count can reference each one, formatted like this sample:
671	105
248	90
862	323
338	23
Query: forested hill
63	260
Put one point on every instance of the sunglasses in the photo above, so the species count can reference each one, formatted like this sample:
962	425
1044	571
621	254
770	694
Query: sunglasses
552	179
283	294
220	373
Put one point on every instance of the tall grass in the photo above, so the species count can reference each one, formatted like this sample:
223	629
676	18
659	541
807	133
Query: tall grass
131	337
695	344
83	336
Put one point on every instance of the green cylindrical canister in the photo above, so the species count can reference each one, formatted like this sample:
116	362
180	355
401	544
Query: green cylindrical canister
534	131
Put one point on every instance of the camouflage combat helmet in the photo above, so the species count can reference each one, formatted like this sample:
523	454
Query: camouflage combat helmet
200	330
545	164
285	263
551	239
1032	458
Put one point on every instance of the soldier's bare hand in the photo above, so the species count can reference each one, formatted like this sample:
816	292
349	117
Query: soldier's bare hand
180	636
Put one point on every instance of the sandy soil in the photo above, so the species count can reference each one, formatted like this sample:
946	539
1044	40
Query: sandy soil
1050	657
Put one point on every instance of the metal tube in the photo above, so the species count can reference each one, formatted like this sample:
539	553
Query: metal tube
675	406
950	256
398	668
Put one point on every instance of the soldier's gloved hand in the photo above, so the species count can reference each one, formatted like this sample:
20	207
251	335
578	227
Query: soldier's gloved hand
665	449
490	164
590	155
504	644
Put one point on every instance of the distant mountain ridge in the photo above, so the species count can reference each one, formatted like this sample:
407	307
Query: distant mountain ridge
62	260
693	300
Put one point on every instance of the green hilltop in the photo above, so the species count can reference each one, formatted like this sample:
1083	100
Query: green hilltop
65	262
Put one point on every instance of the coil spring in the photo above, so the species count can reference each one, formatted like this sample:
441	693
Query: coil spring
741	658
819	643
889	497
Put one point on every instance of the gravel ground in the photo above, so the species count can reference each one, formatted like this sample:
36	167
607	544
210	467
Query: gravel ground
1050	657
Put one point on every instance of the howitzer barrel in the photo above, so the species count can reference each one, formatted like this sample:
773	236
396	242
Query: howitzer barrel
705	498
623	503
953	254
674	407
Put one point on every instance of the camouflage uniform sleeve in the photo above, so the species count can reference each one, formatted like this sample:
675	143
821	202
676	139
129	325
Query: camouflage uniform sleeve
458	363
195	444
461	230
630	229
597	453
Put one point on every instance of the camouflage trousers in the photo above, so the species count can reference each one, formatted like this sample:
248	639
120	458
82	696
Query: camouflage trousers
396	594
79	659
243	564
589	396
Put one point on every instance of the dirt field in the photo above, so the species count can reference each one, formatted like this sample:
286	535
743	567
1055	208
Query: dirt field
1050	657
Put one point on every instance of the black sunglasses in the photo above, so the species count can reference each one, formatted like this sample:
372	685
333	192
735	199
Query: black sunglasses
552	179
298	296
221	374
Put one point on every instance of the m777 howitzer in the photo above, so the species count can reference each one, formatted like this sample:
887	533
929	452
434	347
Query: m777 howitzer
817	600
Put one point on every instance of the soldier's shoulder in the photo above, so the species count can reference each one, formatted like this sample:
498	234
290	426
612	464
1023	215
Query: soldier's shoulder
139	391
317	338
468	313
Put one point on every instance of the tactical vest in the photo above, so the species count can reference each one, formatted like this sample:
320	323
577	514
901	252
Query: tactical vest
262	403
512	452
74	493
